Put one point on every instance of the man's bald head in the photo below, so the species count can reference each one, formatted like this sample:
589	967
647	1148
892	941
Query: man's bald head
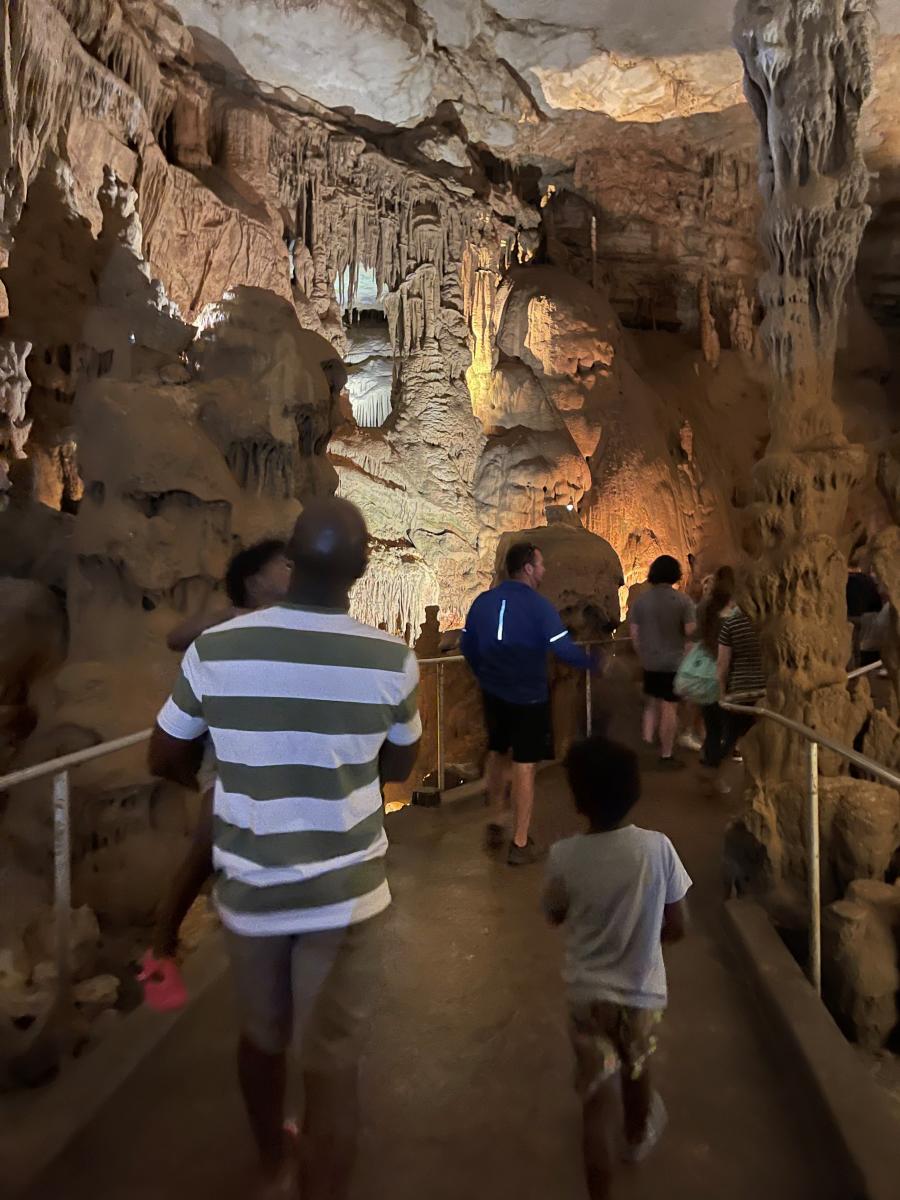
330	543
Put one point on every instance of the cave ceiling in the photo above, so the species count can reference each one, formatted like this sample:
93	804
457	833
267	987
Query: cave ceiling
529	79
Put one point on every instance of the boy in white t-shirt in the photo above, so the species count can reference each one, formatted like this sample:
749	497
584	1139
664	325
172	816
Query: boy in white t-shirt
620	892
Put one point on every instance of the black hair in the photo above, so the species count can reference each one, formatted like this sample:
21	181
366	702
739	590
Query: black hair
518	556
605	780
664	569
246	564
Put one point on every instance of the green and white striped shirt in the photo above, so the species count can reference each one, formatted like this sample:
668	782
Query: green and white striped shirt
298	702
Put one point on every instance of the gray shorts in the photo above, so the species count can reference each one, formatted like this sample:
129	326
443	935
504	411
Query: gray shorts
315	988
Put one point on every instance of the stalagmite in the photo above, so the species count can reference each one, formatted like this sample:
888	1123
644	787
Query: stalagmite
807	75
709	338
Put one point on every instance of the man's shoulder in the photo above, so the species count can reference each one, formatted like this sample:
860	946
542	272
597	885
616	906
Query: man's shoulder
387	646
283	632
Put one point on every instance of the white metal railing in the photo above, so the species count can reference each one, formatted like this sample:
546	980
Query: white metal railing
59	769
442	660
813	741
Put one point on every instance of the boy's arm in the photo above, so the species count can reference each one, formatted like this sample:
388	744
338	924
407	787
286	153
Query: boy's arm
555	900
188	631
674	925
185	886
678	883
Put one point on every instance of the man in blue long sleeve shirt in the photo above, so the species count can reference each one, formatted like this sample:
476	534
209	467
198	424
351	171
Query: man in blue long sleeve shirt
509	632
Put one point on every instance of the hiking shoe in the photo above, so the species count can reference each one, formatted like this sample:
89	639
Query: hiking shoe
670	764
723	788
657	1119
494	836
690	741
524	856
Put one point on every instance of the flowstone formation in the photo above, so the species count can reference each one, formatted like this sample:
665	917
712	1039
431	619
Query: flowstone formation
808	73
570	421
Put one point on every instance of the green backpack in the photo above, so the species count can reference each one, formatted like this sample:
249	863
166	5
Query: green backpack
696	678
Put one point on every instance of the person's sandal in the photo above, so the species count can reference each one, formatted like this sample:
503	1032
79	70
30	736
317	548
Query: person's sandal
524	856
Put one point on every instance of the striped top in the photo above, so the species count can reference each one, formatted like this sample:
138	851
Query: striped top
746	671
298	702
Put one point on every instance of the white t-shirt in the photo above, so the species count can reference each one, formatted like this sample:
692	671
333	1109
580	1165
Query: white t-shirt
617	884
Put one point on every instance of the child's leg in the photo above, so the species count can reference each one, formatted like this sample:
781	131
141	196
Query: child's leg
600	1139
636	1097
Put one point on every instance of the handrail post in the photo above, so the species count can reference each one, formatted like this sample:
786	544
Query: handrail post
62	889
440	726
815	897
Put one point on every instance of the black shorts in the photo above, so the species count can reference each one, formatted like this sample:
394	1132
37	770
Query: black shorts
660	685
526	729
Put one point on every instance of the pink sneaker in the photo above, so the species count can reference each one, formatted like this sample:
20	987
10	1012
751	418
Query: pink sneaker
164	989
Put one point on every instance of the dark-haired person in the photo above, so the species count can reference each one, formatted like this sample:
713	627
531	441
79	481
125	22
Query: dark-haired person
311	712
256	577
740	672
620	891
661	621
509	632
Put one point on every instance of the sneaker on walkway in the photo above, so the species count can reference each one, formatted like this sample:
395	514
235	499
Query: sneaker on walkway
670	764
657	1120
690	741
494	836
524	856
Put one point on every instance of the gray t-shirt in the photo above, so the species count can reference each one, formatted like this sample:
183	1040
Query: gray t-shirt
617	885
661	615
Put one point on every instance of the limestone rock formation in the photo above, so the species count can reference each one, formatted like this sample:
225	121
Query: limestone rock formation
807	75
814	184
861	967
32	644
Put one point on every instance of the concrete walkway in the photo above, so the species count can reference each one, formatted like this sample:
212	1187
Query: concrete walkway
467	1084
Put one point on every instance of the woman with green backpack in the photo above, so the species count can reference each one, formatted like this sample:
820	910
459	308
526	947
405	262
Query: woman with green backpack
725	658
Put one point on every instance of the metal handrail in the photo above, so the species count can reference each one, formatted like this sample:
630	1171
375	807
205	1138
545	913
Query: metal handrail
60	767
875	666
814	740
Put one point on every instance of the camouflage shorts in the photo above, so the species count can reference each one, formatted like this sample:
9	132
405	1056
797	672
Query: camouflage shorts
610	1037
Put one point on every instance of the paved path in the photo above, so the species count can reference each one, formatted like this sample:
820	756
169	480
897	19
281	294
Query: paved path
467	1086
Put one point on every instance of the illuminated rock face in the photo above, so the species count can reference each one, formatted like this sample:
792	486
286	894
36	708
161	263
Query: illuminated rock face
807	76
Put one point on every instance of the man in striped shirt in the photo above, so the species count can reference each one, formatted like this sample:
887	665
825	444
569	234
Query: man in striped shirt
310	712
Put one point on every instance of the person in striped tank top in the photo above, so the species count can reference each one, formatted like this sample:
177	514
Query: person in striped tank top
310	713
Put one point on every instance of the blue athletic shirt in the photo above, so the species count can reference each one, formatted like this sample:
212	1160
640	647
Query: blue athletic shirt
508	632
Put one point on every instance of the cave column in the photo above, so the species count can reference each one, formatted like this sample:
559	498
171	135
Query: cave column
807	73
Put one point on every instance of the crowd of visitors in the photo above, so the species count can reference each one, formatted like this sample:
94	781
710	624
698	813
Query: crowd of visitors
290	717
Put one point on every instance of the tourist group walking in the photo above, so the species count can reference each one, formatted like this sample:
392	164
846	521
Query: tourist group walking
290	717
